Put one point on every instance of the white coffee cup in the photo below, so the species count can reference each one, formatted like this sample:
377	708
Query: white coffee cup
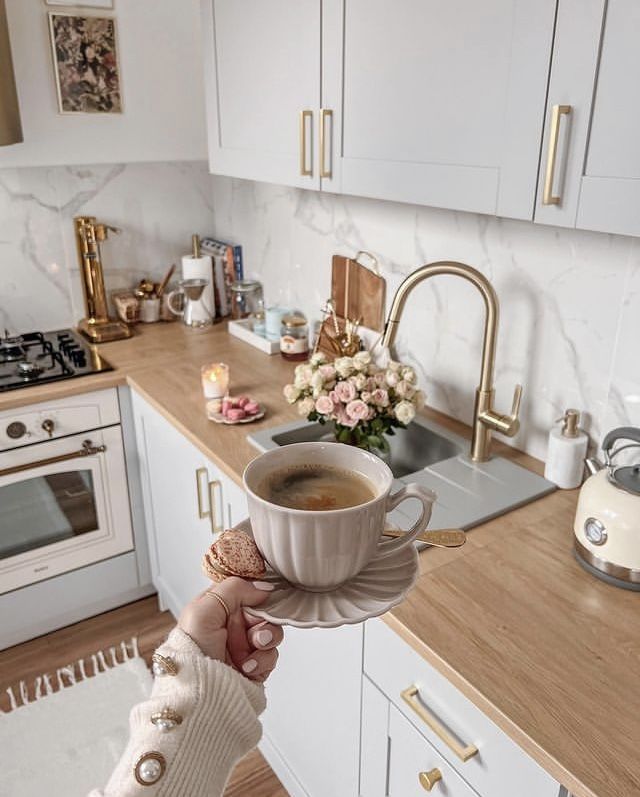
319	550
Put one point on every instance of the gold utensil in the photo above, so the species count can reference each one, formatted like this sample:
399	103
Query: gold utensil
439	538
166	279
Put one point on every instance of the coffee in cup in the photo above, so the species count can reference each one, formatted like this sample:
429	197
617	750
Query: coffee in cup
310	543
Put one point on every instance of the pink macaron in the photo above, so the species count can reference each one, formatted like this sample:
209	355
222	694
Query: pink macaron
251	407
236	414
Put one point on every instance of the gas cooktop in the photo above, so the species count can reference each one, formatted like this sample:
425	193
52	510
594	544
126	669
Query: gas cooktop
39	357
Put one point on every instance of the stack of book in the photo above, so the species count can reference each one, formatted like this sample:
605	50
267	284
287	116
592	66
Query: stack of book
227	269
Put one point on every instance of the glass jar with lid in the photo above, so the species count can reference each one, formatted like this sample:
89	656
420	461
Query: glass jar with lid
246	298
294	337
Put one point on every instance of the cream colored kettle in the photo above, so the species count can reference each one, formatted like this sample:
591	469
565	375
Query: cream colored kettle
607	523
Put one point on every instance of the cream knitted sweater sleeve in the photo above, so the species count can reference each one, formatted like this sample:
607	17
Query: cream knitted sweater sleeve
219	708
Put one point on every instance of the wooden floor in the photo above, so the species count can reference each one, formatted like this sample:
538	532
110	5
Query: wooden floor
252	777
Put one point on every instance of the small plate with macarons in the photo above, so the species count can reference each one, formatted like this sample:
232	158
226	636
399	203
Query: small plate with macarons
230	410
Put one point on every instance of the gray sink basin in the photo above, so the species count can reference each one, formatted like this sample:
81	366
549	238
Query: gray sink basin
469	493
411	449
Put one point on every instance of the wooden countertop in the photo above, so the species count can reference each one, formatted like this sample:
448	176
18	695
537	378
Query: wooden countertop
550	653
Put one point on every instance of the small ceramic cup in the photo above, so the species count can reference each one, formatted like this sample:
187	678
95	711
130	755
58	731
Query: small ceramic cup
319	550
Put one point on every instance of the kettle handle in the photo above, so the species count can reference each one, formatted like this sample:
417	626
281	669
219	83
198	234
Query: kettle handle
621	433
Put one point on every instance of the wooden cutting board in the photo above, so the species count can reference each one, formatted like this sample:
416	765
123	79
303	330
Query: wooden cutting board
358	292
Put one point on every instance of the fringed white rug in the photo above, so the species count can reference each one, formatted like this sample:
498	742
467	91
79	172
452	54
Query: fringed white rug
63	744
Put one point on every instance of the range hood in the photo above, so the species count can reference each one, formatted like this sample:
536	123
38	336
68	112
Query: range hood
10	126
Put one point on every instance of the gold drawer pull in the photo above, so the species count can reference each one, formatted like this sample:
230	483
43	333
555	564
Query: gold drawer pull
547	196
215	529
304	171
463	753
429	779
202	512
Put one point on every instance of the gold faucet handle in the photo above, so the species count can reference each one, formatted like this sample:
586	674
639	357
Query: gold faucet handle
508	425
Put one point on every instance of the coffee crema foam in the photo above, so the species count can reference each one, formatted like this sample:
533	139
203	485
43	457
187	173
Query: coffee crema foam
315	488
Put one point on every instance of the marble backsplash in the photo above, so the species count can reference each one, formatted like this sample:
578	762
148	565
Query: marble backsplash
157	206
570	300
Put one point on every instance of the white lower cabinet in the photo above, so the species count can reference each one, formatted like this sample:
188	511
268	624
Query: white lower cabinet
187	501
312	722
439	728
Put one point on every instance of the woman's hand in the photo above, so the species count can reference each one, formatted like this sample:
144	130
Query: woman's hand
244	642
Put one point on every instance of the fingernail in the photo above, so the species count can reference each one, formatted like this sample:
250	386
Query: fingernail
266	586
264	636
249	666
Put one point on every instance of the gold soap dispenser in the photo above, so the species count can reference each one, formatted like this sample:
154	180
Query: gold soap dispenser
97	326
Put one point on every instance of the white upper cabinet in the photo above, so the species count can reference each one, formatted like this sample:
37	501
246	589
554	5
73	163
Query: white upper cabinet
262	71
442	102
593	182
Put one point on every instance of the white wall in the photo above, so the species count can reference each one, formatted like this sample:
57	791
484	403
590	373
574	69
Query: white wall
161	81
570	300
157	205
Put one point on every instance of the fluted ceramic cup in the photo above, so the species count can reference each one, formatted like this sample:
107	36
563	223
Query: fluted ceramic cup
319	550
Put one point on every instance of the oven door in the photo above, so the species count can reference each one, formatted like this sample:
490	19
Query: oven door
62	508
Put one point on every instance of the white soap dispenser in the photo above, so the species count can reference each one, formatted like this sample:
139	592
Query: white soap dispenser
566	452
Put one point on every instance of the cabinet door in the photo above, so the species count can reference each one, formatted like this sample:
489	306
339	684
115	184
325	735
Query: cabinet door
595	175
442	102
262	70
312	722
174	479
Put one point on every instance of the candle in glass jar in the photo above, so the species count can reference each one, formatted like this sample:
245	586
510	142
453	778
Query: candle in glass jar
215	380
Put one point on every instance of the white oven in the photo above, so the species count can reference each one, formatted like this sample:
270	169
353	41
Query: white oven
64	502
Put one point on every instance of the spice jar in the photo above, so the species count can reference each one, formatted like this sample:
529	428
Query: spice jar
294	337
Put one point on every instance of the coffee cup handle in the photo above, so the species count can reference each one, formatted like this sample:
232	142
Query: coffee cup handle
427	498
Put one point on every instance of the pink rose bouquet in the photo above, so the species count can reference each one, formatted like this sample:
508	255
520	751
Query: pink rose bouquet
364	402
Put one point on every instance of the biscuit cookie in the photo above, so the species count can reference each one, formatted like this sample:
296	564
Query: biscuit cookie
234	553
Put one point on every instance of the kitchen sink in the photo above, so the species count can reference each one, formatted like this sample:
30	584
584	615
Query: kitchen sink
411	449
469	493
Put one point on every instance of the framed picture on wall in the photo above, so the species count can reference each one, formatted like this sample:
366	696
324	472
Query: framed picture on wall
85	62
82	3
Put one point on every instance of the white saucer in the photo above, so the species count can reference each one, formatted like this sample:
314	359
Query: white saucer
382	584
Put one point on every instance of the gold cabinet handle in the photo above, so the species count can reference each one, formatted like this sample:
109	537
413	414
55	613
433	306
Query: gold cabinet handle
325	114
429	779
556	112
463	753
202	512
304	115
215	528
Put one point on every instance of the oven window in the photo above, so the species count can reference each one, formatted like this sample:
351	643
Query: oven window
46	509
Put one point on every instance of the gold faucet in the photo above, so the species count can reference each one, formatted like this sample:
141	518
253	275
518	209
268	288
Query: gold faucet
97	326
485	418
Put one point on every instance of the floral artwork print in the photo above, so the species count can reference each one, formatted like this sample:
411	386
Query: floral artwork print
86	63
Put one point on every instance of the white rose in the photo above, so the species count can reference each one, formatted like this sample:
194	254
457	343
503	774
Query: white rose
418	399
303	376
405	412
392	378
393	365
409	375
359	381
344	366
291	393
361	360
317	381
306	406
404	389
318	359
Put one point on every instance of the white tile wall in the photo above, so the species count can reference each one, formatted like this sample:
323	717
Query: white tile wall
157	206
570	300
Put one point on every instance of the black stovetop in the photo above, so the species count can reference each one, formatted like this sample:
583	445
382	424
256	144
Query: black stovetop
39	357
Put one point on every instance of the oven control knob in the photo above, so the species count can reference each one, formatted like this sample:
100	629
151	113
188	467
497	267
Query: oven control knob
16	430
48	425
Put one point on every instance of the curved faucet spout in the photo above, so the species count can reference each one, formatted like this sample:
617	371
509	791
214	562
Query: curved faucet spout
485	418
